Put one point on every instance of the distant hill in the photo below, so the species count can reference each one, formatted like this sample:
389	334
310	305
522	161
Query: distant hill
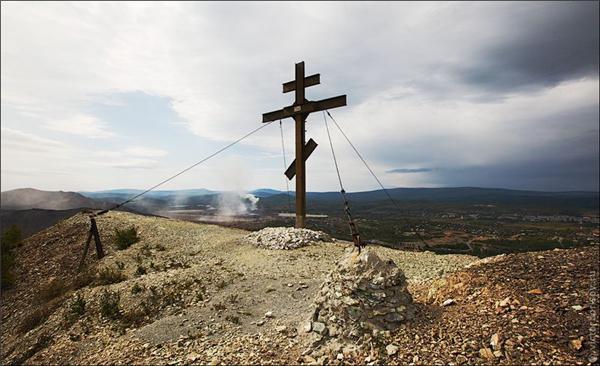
123	194
29	198
33	220
455	197
265	192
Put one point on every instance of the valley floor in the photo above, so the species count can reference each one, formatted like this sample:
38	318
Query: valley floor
192	293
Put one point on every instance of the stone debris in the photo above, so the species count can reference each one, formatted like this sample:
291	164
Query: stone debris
535	291
448	302
391	349
363	294
486	354
319	327
576	344
495	341
284	238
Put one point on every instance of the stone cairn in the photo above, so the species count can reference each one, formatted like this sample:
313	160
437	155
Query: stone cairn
364	294
284	238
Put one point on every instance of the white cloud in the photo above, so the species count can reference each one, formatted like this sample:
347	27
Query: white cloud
81	125
141	151
14	140
132	163
222	66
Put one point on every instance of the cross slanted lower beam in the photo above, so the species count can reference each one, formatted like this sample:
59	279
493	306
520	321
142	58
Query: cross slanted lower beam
299	111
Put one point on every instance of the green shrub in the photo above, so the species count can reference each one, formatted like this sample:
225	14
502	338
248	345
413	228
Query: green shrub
234	319
141	270
126	237
77	305
10	239
109	304
109	275
136	289
233	298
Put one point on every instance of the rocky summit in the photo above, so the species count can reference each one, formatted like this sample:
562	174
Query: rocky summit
285	238
363	293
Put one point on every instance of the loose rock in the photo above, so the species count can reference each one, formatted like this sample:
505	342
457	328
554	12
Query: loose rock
284	238
363	294
391	349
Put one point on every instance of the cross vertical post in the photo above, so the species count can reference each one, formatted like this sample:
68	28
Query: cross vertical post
300	137
299	111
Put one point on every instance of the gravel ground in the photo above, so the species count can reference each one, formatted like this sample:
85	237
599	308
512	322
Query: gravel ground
206	296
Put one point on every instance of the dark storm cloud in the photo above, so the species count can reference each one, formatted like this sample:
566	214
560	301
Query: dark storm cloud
409	170
554	152
571	164
575	174
540	45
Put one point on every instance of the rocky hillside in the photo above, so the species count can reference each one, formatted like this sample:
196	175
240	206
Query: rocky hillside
195	293
29	198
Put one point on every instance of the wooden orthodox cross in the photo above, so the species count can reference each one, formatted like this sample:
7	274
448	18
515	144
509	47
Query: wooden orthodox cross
299	111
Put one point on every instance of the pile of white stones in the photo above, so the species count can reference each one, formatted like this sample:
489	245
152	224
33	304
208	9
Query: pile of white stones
362	295
284	238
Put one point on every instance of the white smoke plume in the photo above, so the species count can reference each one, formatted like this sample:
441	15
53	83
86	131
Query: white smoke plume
236	203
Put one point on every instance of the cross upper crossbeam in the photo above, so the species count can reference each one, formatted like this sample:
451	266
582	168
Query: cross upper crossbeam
308	81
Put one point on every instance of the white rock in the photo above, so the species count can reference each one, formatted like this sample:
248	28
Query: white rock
495	341
448	302
318	327
269	314
307	327
391	349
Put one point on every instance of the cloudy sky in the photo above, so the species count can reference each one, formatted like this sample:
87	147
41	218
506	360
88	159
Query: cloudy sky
112	95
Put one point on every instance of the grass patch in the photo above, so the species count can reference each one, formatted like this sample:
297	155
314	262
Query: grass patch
136	289
77	305
219	306
126	237
233	298
233	318
109	275
110	304
141	270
